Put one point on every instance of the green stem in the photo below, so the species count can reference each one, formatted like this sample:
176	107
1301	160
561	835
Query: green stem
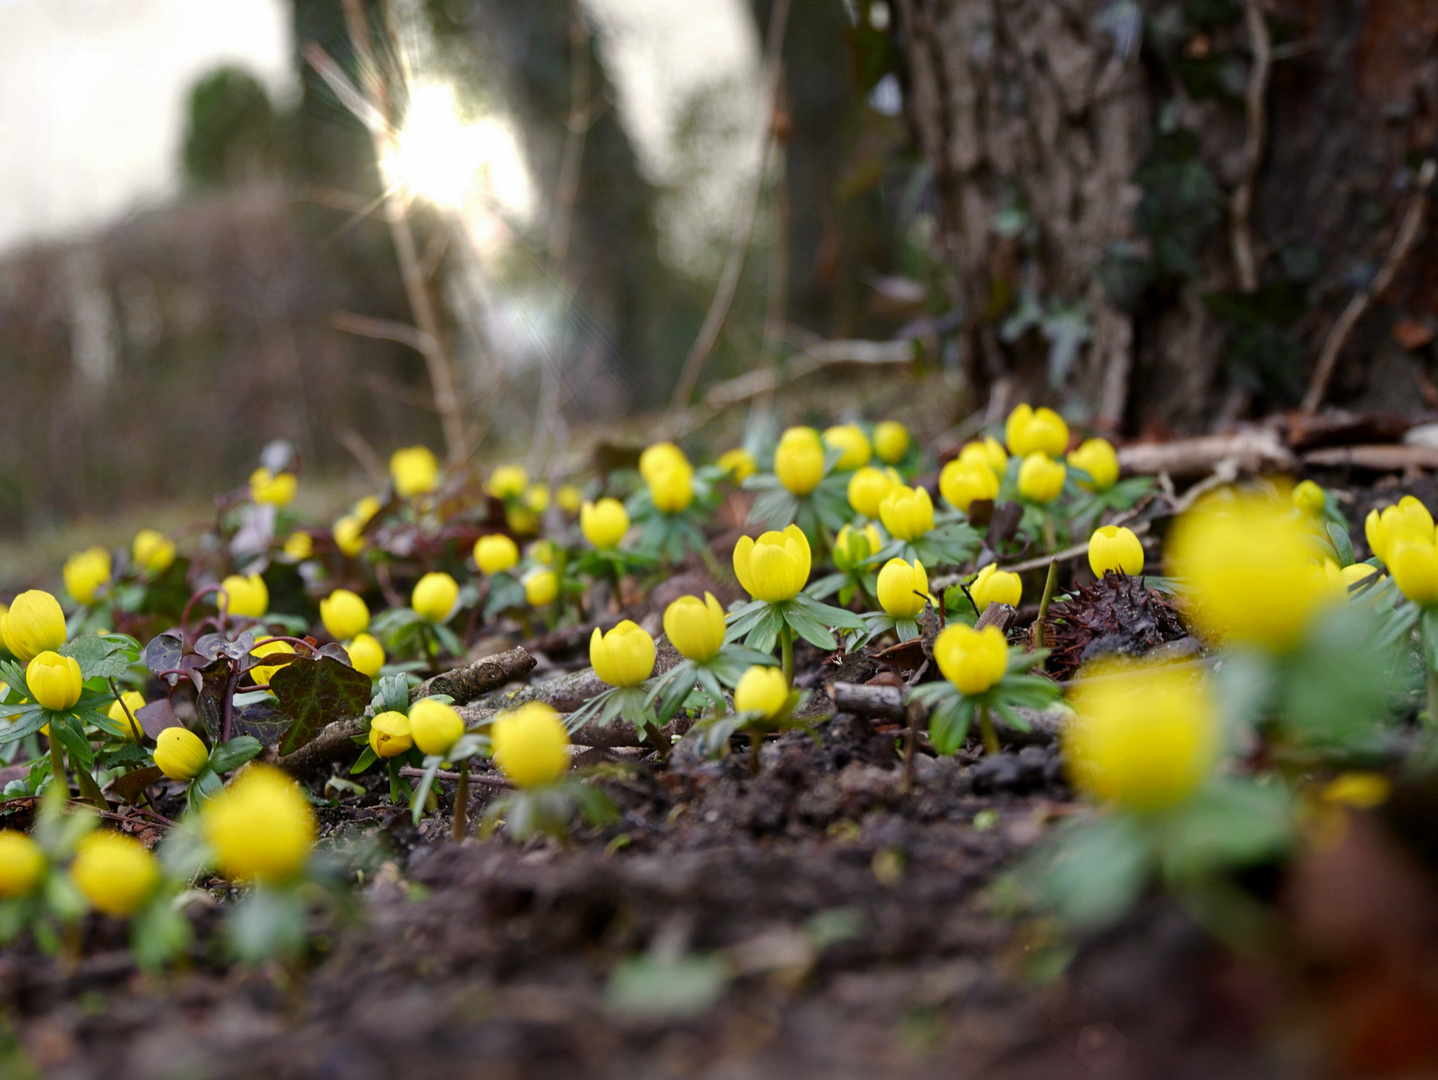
1049	584
786	653
986	729
57	763
1050	540
1432	698
461	803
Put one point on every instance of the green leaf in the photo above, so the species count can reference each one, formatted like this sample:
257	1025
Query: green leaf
25	720
393	694
950	721
421	792
314	693
1095	872
202	788
158	934
812	631
1342	545
765	633
367	758
653	988
107	657
229	756
1231	822
267	923
77	747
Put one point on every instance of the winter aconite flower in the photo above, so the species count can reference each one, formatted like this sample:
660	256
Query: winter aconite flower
261	827
507	481
299	546
86	572
775	567
22	864
659	457
114	872
989	452
1097	458
1036	431
973	660
995	586
569	498
180	754
494	553
1409	518
762	690
273	489
799	460
541	587
852	546
903	588
1413	562
153	552
434	726
963	483
624	656
133	702
344	614
263	673
1041	478
34	624
414	470
530	745
604	523
349	535
671	485
851	442
907	513
1144	737
54	681
366	654
435	596
245	597
867	488
389	734
1308	497
695	627
738	463
891	441
1114	548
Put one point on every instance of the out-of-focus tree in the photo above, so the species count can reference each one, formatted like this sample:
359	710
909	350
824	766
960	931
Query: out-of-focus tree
232	131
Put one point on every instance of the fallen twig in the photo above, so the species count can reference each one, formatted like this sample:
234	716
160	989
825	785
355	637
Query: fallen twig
1245	261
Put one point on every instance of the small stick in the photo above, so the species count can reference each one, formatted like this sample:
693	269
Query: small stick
1049	584
461	806
474	778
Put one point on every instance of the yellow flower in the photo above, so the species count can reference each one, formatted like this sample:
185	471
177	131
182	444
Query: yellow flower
54	681
604	523
521	520
891	441
1144	737
973	660
1097	458
389	734
344	614
907	513
1413	562
414	470
867	488
799	460
365	509
530	745
434	726
22	864
541	587
264	673
1360	790
543	552
114	872
774	567
624	656
671	486
261	827
1309	498
180	754
851	441
1112	547
1356	573
762	690
349	535
659	458
434	596
1250	571
903	587
1409	518
695	627
495	552
508	482
1042	431
963	483
995	586
1041	478
34	624
85	572
245	597
738	463
274	489
537	498
366	654
569	498
134	702
153	552
852	546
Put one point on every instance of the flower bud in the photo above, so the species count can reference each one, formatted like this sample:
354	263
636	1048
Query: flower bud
891	441
774	567
1114	548
434	726
1413	562
34	624
1042	431
85	572
508	482
435	596
695	627
1309	498
414	470
604	523
963	483
569	498
180	754
271	488
22	864
995	586
261	826
903	588
541	587
114	872
799	460
738	463
349	535
1041	479
153	552
299	546
659	457
973	660
495	552
989	452
867	489
262	674
907	513
1409	518
852	443
537	498
344	614
1097	458
134	702
245	597
762	690
852	546
624	656
54	681
671	486
389	734
530	744
366	654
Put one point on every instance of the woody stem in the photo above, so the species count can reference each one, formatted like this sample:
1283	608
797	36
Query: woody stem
461	804
786	654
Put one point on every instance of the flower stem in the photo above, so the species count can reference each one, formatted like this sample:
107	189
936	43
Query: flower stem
986	730
1432	698
1049	584
57	764
786	653
755	739
461	803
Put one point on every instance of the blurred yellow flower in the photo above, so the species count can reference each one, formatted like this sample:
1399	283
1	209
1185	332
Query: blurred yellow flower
434	726
507	481
799	460
852	546
153	552
435	596
1036	431
989	452
891	441
1097	458
114	872
349	535
852	443
762	690
907	513
414	470
134	702
738	463
299	546
494	553
261	827
531	746
366	654
604	523
867	488
344	614
671	486
22	864
85	572
569	498
541	587
1041	479
245	597
658	458
274	489
1309	498
963	483
262	674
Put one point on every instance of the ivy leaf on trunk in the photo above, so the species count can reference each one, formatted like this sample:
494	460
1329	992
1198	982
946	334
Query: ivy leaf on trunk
314	693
